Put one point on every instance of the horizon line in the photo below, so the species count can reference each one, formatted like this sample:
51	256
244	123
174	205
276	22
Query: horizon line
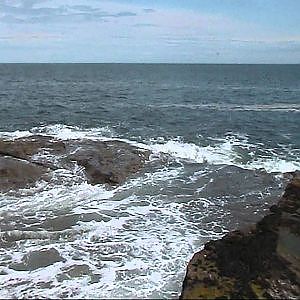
148	63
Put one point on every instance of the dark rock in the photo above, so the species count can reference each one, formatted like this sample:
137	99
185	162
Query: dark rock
25	148
108	162
38	259
25	160
77	271
262	261
74	271
3	272
65	222
17	173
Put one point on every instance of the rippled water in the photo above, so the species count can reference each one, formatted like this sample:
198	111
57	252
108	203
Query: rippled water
220	138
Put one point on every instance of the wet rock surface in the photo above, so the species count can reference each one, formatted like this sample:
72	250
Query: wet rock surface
76	271
24	161
107	162
262	261
38	259
18	173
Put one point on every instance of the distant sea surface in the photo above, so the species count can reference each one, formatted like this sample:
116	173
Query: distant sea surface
227	132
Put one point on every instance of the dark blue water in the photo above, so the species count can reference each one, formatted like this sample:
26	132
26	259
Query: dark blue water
261	101
221	137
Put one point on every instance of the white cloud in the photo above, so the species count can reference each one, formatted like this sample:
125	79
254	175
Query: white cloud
94	30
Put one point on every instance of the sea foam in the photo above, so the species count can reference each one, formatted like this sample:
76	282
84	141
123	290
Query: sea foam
220	151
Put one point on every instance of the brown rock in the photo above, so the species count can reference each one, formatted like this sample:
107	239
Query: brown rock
16	173
259	262
108	162
25	160
25	148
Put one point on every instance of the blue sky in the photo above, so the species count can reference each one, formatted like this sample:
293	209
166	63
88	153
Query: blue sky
177	31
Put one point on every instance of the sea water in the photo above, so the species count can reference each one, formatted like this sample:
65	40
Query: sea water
221	138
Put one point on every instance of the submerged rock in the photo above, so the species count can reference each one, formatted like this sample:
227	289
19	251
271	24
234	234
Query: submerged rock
24	161
38	259
259	262
77	271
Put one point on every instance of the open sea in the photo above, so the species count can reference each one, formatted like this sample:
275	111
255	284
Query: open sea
220	136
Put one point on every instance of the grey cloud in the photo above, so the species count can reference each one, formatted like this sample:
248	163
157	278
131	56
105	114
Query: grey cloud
125	14
30	3
149	10
5	38
27	12
260	46
122	37
10	19
145	25
33	36
67	18
84	8
295	49
290	46
180	39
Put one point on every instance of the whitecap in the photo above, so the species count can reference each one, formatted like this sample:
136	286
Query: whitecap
273	165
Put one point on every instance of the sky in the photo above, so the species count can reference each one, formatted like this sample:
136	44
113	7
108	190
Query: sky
158	31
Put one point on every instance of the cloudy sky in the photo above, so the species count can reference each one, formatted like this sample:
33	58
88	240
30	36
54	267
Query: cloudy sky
179	31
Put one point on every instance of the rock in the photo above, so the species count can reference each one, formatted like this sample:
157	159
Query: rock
16	173
38	259
24	161
262	261
77	271
74	272
108	162
25	148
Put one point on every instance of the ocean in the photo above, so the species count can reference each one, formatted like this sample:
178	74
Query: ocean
221	138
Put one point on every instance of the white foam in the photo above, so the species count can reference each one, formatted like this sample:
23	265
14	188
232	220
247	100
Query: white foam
141	246
218	154
15	134
47	197
143	250
275	165
225	152
282	107
139	251
65	132
222	151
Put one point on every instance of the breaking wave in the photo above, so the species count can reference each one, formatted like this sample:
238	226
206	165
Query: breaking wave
132	241
227	151
277	107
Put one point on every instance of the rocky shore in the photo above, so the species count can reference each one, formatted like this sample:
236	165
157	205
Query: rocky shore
262	261
25	161
255	263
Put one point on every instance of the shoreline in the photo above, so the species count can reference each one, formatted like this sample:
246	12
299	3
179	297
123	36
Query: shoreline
261	261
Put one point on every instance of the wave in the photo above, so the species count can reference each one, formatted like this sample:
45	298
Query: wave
282	107
222	151
63	132
131	241
217	154
129	245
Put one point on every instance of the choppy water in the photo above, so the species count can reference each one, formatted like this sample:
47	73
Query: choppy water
220	136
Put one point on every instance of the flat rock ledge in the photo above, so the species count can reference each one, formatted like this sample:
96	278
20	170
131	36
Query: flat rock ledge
261	262
25	161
